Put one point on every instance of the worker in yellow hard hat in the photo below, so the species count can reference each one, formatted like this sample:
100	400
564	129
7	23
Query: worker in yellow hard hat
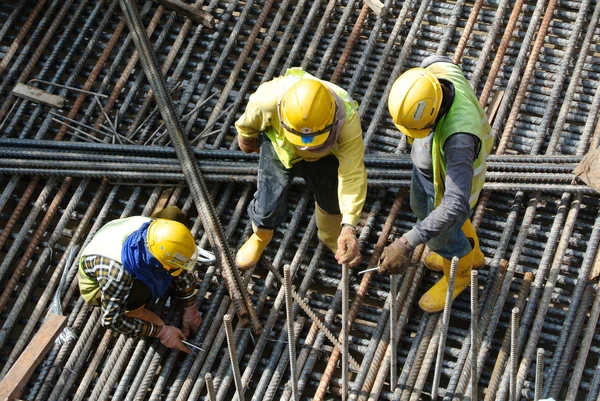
134	259
305	127
435	107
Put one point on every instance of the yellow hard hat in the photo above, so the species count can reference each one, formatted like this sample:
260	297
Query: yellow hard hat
172	244
306	113
414	102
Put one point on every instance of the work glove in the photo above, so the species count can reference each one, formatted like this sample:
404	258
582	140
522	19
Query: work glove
171	336
347	243
191	320
248	145
395	258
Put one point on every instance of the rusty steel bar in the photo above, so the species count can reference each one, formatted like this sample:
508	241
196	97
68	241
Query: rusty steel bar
66	35
466	33
345	333
498	297
574	330
34	241
289	306
502	48
443	44
444	328
210	387
214	74
544	304
198	189
539	374
584	348
274	312
360	294
292	227
376	118
283	362
233	356
22	34
393	332
490	291
26	290
373	385
499	372
350	43
256	62
93	365
514	353
403	393
168	62
406	6
428	360
41	200
551	386
314	339
238	66
474	334
318	31
559	78
522	91
412	354
39	45
367	52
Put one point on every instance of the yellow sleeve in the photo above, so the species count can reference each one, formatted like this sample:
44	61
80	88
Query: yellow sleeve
352	174
261	106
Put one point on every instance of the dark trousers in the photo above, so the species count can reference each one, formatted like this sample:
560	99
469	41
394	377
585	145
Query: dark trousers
268	209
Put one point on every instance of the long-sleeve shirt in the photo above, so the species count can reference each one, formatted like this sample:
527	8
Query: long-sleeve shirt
460	150
261	114
115	285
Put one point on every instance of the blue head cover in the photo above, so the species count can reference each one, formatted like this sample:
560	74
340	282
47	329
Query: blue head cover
139	262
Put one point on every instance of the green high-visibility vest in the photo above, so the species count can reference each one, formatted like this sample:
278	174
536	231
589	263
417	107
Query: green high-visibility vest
465	115
107	242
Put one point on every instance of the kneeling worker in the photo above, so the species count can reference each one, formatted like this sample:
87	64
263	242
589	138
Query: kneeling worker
436	108
303	126
133	259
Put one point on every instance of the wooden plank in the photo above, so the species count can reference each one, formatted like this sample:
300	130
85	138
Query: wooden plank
377	7
39	96
15	380
494	106
199	17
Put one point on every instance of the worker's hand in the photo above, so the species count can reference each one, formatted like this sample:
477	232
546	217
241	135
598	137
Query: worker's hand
395	257
248	145
191	320
171	336
348	247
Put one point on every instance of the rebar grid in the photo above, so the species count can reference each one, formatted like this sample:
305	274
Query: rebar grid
210	73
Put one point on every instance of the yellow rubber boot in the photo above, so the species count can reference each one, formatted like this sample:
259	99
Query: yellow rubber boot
434	299
249	254
328	227
434	262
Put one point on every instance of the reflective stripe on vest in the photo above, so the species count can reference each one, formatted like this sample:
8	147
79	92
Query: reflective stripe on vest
107	242
465	115
283	148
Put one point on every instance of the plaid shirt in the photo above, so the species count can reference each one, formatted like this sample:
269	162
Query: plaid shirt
116	283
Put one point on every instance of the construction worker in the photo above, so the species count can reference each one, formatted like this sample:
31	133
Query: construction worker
435	107
305	127
133	259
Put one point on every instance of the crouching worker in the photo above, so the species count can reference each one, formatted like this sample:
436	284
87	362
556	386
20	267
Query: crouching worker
303	126
435	107
133	259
